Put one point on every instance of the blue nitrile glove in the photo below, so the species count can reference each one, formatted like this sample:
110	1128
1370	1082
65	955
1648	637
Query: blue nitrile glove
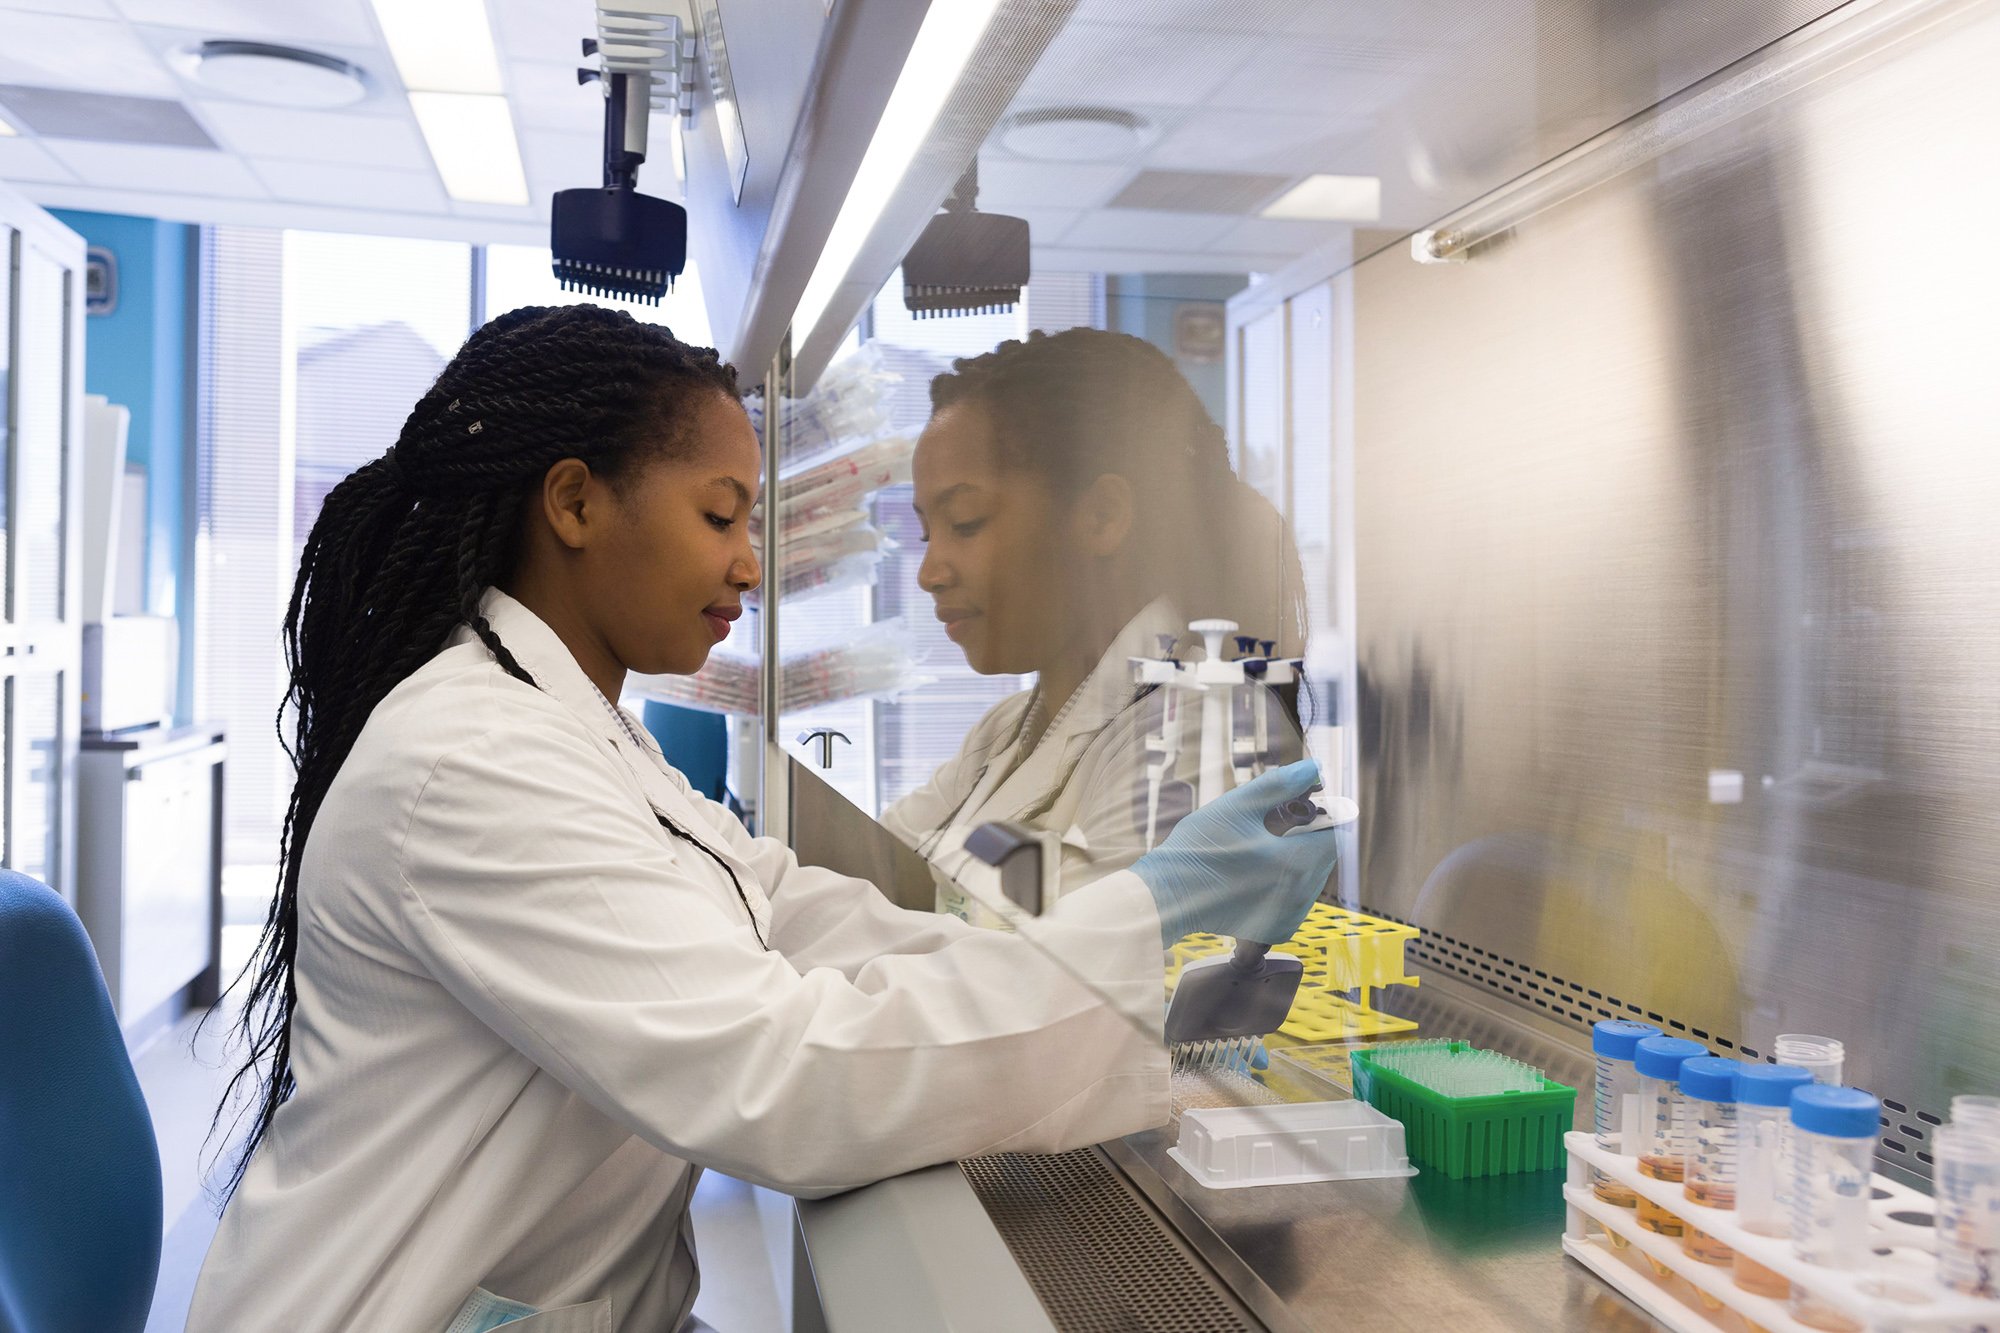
1222	870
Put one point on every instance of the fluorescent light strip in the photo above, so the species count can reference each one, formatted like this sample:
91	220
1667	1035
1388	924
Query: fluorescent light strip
1330	199
441	46
950	32
471	137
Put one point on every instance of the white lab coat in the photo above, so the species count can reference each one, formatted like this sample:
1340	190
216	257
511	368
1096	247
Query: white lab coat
528	1015
1084	780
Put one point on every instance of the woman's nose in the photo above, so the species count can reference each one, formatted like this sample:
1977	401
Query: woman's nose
933	574
746	573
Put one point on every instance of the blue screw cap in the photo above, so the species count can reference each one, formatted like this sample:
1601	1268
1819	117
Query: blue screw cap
1839	1113
1614	1038
1769	1085
1662	1057
1710	1078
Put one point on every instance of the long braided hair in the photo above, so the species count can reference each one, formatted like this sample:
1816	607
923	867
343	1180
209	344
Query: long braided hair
405	547
1075	405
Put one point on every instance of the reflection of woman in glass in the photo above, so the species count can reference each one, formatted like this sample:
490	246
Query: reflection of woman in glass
1079	510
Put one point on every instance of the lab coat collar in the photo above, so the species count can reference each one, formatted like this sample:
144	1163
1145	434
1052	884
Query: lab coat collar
543	654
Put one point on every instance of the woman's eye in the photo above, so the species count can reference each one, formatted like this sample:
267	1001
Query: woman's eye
722	522
969	528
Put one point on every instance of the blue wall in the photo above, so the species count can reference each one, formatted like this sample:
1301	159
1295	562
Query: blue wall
141	356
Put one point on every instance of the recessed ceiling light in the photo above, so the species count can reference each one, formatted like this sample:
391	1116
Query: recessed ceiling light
471	138
1330	199
1075	134
274	75
5	129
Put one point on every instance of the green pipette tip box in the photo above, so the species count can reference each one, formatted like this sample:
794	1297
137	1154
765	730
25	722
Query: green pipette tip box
1495	1135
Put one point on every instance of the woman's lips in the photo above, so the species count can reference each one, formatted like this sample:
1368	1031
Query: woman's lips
718	618
955	621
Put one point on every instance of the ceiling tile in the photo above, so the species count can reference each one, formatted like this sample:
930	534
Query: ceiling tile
1240	16
26	160
542	29
58	51
1007	185
89	9
354	187
69	113
1132	229
169	170
1332	78
1278	235
568	161
316	136
1255	141
547	96
295	22
1100	64
1047	225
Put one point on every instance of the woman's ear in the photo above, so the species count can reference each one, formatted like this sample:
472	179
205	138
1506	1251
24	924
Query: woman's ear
565	502
1104	515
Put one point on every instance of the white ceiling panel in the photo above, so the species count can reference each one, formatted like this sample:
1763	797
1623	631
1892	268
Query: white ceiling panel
547	30
1006	185
298	22
1047	225
24	160
570	161
1145	229
170	170
1255	141
1279	236
89	9
547	97
355	187
1197	15
315	136
1339	80
59	51
1104	64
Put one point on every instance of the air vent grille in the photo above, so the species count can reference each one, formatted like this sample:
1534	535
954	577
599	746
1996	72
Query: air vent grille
59	113
1200	191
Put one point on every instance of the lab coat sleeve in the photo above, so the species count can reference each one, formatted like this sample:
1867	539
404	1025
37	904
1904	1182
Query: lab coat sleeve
541	899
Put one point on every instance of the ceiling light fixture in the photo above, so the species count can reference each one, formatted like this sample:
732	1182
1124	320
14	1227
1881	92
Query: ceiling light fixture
6	129
444	51
1329	199
944	46
273	75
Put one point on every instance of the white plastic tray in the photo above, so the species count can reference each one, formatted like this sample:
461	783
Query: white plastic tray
1297	1143
1896	1290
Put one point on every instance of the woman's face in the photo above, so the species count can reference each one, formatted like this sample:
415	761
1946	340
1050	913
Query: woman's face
998	560
676	558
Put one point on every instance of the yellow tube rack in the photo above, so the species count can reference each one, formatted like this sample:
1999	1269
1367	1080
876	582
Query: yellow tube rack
1345	954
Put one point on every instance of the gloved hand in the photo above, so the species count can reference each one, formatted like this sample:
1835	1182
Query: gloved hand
1221	870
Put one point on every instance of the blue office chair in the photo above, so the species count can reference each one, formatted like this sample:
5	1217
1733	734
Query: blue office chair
80	1195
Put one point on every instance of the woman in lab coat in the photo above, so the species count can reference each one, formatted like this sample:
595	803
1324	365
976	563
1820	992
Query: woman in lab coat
520	983
1078	508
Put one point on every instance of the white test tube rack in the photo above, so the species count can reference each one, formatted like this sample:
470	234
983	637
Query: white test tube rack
1894	1289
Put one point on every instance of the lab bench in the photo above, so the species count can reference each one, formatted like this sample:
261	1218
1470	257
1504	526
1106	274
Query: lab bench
1118	1237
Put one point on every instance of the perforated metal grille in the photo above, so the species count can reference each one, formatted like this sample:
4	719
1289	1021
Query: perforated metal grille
1906	1129
1098	1258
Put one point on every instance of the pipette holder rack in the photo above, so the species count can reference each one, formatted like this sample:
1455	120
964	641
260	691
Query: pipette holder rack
1346	956
1885	1293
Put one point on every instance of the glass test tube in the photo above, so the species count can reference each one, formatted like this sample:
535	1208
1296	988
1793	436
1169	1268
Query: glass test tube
1967	1181
1708	1086
1833	1151
1823	1057
1662	1121
1976	1112
1617	1101
1763	1165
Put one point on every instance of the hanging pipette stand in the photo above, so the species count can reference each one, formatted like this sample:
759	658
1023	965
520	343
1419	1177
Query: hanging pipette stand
1894	1289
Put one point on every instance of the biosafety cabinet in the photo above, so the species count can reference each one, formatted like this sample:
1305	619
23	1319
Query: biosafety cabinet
1619	377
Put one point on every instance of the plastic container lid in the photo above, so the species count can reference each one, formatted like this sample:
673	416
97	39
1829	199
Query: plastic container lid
1769	1085
1709	1077
1840	1113
1662	1057
1615	1037
1230	1147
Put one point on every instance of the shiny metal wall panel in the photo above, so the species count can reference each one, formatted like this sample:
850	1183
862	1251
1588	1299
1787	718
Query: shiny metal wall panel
1698	474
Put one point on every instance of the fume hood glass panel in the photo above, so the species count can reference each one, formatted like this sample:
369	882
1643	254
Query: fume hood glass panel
41	452
9	240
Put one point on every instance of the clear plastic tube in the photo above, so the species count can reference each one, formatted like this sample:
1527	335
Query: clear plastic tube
1616	1105
1967	1182
1976	1112
1662	1123
1763	1190
1825	1057
1709	1090
1832	1183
